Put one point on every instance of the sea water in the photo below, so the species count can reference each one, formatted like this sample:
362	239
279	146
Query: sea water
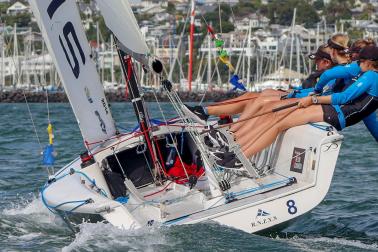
347	220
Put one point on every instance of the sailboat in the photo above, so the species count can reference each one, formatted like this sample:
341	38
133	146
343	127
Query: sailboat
162	173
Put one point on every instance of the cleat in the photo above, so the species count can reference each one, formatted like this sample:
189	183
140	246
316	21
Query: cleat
196	113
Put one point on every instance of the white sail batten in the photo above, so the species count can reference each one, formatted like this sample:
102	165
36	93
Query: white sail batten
61	27
120	19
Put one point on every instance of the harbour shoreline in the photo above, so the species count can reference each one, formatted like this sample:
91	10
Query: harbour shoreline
60	97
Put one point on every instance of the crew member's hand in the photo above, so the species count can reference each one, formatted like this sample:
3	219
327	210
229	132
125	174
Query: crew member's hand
305	102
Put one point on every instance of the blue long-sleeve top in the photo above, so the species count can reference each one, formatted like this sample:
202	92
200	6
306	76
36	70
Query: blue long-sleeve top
367	83
371	123
300	92
346	72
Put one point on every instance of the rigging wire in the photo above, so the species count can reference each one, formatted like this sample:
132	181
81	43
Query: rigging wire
171	135
32	120
47	106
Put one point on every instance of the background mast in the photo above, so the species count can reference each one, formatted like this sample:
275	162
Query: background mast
191	40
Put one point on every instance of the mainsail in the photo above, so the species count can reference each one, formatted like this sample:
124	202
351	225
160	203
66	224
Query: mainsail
120	19
61	27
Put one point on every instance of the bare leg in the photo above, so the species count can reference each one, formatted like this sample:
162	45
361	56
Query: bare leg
261	122
261	104
298	117
255	133
233	106
237	105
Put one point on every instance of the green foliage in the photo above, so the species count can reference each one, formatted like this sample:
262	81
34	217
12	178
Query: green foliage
281	12
3	9
245	7
338	9
367	12
22	20
212	18
355	34
318	5
171	9
104	31
141	17
103	28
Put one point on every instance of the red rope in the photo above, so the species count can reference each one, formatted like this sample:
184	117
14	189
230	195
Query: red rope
154	193
164	169
137	134
211	31
128	75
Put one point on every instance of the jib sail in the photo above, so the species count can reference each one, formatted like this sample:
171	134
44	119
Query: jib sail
120	19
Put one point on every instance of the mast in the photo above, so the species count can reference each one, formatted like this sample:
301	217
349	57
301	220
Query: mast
15	57
2	63
292	42
191	41
249	55
137	101
97	48
209	63
27	54
298	54
112	58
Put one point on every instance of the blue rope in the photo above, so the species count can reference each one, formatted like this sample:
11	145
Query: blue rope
52	208
93	182
70	202
82	202
318	126
232	194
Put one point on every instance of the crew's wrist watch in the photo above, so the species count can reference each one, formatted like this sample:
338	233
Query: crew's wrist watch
314	99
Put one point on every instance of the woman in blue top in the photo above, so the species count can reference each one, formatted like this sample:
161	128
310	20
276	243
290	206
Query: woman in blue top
349	73
346	74
339	109
337	47
237	105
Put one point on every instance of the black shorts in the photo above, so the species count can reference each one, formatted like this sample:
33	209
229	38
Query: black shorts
351	113
330	116
359	109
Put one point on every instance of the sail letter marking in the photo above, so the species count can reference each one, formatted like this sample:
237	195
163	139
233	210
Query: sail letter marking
54	5
70	29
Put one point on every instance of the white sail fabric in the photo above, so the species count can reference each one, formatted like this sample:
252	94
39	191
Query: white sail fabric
61	27
120	19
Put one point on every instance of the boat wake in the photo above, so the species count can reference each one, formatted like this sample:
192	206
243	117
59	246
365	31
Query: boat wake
28	224
27	206
102	236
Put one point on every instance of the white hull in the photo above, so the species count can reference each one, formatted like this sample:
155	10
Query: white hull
251	205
